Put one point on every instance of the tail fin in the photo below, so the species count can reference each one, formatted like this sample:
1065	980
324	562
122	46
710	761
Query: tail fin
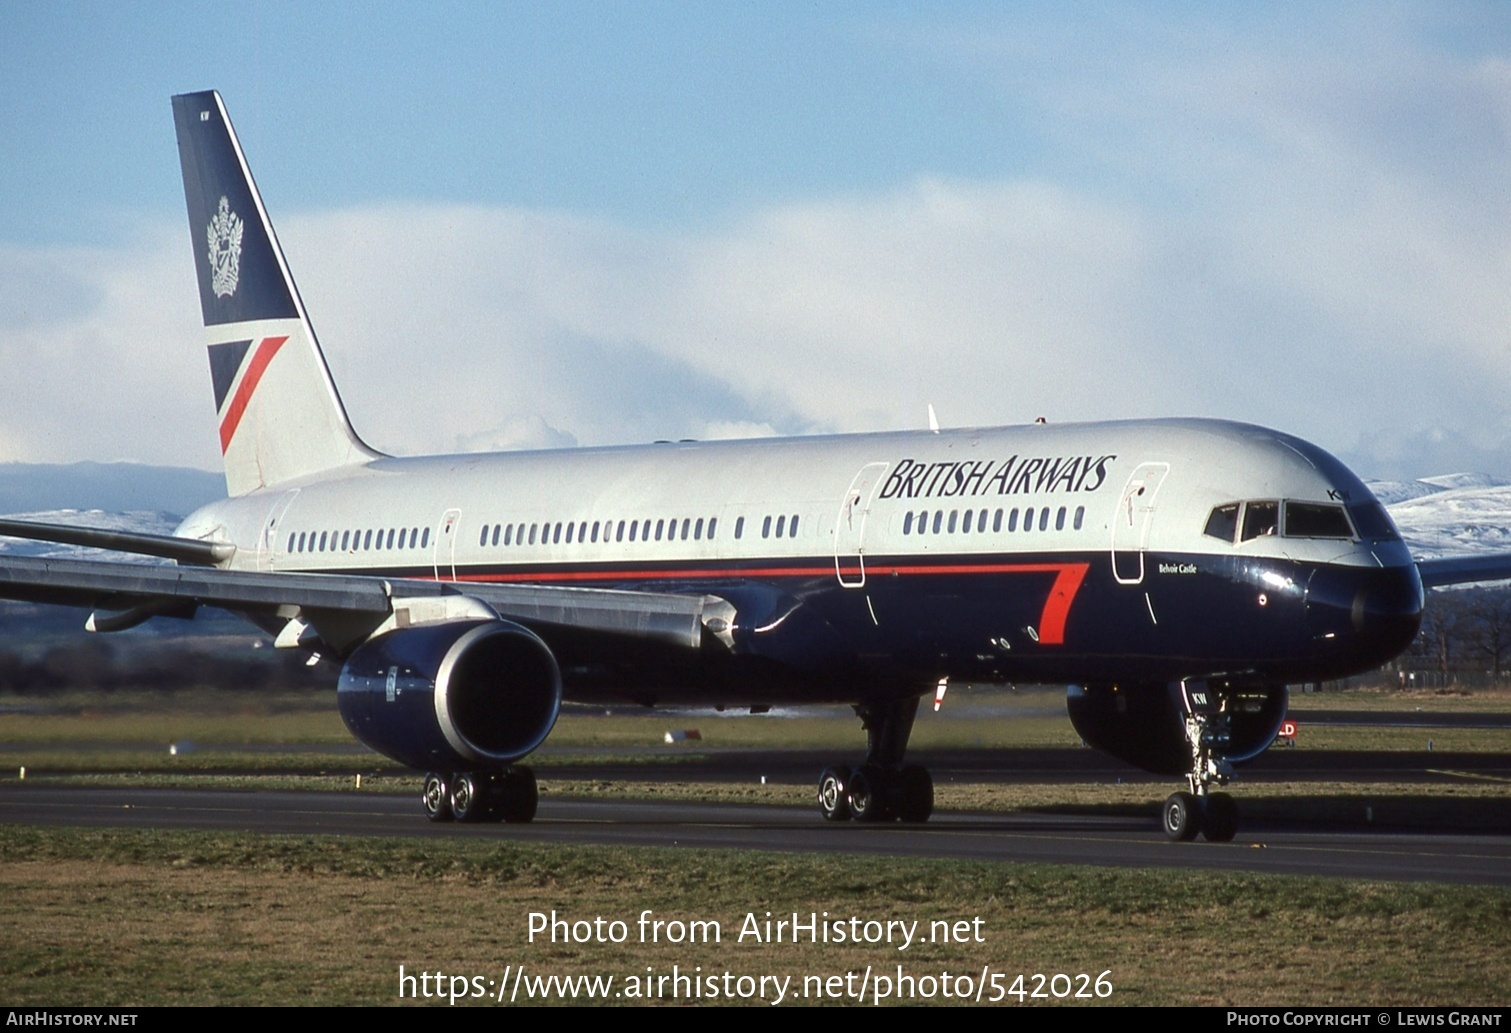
280	417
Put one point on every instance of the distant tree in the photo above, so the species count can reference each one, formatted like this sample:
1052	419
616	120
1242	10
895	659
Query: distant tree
1445	620
1489	625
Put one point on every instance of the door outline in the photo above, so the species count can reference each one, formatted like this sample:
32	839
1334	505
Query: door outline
1130	524
445	539
267	540
850	528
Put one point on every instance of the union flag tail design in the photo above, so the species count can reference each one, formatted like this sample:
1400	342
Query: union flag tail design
280	416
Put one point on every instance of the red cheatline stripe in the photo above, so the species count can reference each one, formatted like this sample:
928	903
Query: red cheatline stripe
1068	578
266	349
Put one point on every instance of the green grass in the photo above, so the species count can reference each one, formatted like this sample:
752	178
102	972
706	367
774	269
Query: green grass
164	917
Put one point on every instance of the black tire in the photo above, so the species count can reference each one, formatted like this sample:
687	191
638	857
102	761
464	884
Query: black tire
915	793
436	797
868	794
518	796
1220	823
468	797
834	794
1181	817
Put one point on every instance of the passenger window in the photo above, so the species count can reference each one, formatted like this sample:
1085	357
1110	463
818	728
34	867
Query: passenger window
766	528
781	523
533	528
482	538
686	523
938	520
659	525
1315	520
1260	519
711	522
698	530
1012	520
907	522
792	527
923	522
619	536
1028	519
1223	523
997	521
739	526
1080	517
954	516
1060	519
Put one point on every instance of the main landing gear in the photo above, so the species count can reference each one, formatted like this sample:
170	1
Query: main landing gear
883	788
1200	811
510	795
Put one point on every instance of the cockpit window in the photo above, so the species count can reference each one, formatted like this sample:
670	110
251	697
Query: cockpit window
1371	520
1223	523
1260	519
1315	520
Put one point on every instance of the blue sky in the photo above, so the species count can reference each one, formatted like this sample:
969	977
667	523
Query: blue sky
521	225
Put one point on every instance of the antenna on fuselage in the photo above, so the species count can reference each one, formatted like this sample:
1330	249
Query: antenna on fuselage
933	420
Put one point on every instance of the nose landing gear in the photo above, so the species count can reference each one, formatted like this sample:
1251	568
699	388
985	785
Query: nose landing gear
1208	732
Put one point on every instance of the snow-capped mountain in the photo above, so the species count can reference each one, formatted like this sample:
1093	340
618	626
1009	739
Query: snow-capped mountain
1451	515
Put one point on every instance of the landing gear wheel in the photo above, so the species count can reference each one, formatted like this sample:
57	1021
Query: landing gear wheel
868	801
436	797
915	793
518	796
1181	817
834	794
1220	823
467	797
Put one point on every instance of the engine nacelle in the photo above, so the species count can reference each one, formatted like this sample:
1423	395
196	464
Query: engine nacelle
1145	724
461	696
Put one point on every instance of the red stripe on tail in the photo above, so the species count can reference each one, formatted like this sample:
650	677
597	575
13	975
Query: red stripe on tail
266	349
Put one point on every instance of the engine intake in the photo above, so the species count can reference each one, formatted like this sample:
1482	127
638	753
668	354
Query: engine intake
465	695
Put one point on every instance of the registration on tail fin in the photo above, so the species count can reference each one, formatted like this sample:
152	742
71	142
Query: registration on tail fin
279	415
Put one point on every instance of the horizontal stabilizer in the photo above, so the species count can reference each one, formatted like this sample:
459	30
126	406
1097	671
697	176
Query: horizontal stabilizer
191	551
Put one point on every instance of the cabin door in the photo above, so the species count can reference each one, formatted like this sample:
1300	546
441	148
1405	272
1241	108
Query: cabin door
267	540
445	545
850	526
1130	524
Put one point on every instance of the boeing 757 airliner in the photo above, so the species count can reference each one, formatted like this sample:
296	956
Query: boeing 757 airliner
1178	573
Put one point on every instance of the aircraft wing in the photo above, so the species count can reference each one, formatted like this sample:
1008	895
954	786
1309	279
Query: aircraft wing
350	607
1464	570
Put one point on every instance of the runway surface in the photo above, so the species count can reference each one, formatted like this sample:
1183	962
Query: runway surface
1116	841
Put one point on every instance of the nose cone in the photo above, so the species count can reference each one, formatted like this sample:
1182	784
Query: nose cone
1363	616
